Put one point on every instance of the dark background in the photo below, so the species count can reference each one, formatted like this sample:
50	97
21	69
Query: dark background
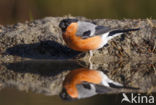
12	11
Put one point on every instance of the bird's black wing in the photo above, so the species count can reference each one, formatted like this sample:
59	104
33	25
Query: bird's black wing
99	30
86	34
102	89
86	85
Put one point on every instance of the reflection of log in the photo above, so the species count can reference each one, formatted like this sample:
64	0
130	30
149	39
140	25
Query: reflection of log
42	39
46	77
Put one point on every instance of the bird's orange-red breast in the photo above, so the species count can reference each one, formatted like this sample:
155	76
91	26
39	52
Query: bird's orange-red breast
78	76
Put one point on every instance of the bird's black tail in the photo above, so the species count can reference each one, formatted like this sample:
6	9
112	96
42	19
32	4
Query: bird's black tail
114	32
100	89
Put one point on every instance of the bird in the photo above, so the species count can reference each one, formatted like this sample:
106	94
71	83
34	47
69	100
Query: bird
83	82
87	36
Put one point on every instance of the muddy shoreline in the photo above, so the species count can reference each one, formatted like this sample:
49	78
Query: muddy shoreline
42	39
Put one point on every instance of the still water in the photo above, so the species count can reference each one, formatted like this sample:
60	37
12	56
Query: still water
40	82
11	96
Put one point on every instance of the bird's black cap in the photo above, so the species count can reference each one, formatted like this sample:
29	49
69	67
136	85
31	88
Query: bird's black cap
65	23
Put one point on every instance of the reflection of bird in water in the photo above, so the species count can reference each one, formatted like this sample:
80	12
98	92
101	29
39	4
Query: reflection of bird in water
82	83
125	98
86	36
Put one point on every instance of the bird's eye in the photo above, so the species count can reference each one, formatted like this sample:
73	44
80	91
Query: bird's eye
67	24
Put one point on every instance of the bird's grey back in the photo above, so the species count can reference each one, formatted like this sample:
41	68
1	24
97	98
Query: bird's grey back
85	26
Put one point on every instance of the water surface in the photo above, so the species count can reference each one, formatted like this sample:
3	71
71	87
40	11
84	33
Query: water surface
40	82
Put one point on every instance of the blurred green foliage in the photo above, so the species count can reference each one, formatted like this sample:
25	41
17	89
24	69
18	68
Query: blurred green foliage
13	11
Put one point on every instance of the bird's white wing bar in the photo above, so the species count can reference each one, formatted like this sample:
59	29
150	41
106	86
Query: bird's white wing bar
100	30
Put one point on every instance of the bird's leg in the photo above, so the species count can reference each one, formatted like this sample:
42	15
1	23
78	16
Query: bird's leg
90	56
